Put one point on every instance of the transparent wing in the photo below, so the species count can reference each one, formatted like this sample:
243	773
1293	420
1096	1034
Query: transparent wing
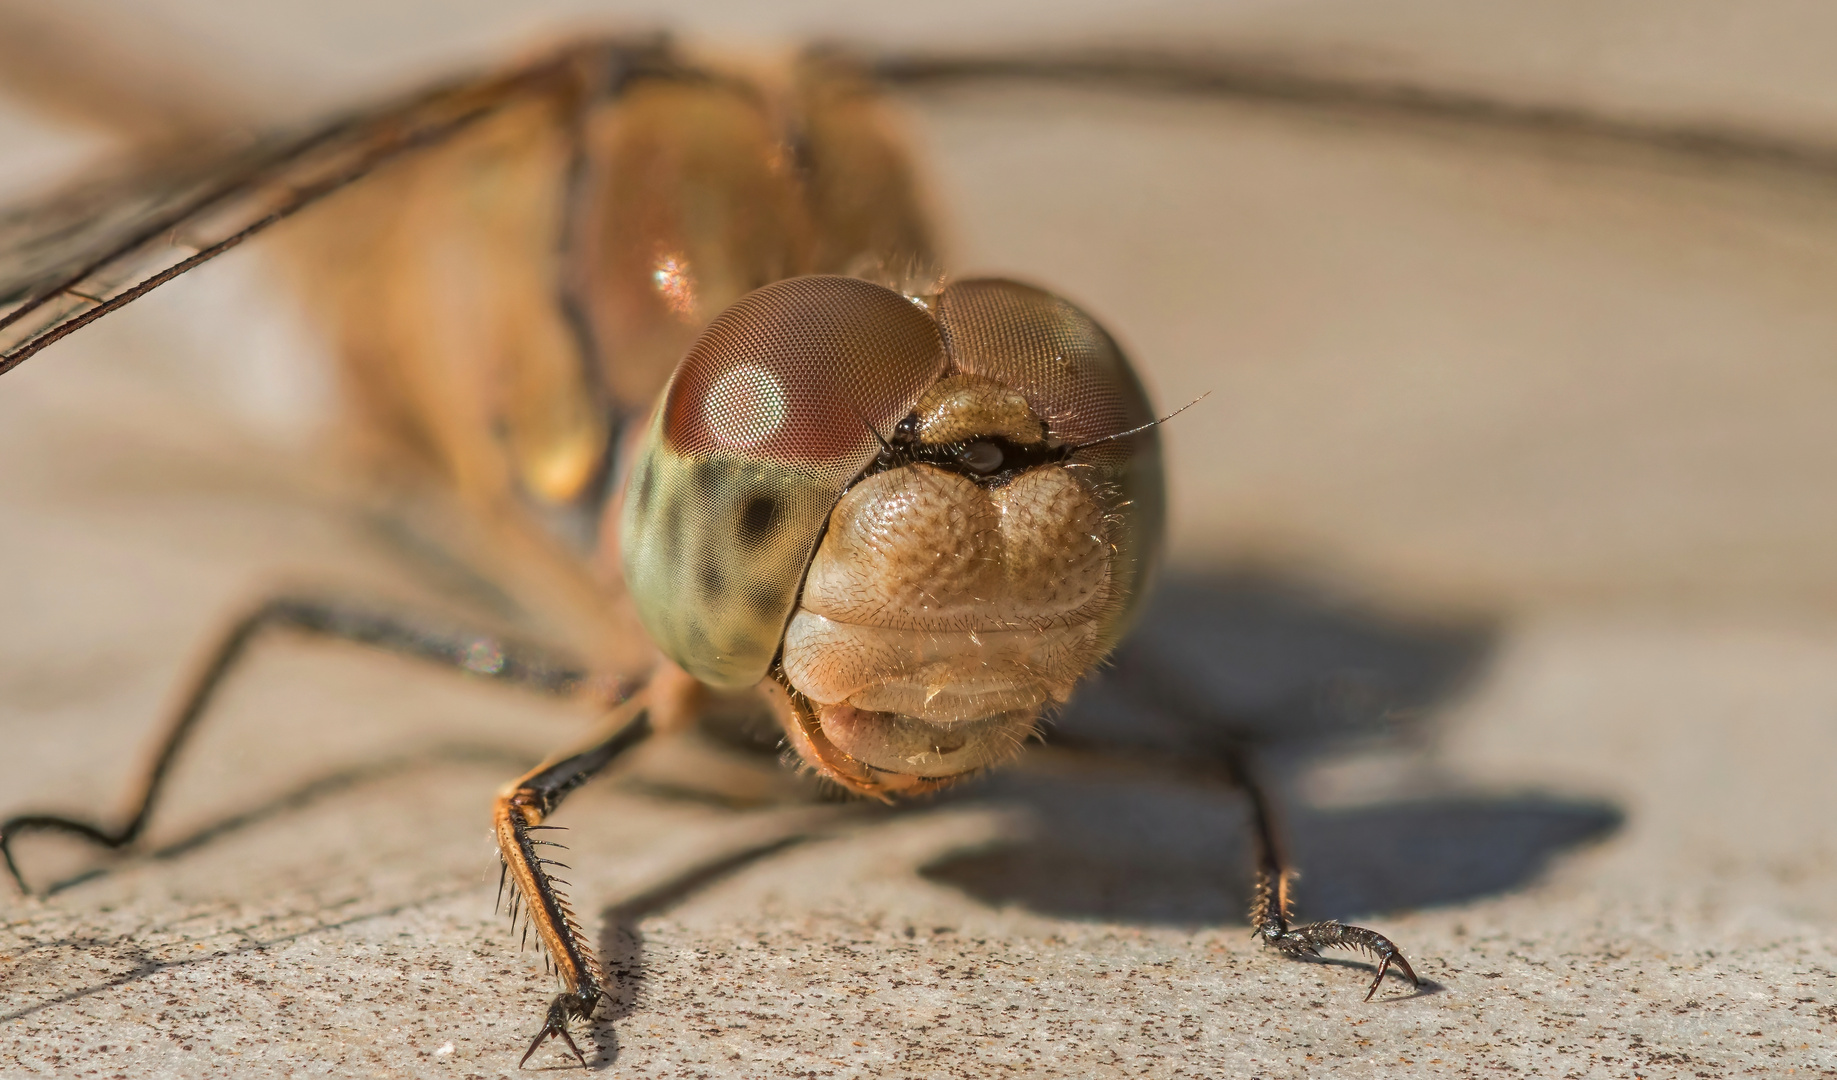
85	251
1347	260
1476	346
74	256
1249	78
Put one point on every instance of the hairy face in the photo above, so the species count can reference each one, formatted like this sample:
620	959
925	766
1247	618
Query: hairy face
952	599
909	519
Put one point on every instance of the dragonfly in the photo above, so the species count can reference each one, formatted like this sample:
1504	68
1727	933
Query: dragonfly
678	335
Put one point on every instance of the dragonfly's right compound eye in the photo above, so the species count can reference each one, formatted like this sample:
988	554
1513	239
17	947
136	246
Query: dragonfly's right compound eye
781	402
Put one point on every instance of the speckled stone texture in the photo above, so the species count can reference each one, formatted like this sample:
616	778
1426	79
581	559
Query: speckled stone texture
1506	533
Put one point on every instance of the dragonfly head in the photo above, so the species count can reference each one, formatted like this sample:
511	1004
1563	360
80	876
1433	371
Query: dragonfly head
904	514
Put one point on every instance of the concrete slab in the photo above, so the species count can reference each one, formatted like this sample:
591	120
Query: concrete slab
1510	530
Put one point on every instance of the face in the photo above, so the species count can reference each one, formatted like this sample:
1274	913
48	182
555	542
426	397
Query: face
907	518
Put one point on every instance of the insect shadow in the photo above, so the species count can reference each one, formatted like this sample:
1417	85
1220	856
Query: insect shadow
622	942
1294	677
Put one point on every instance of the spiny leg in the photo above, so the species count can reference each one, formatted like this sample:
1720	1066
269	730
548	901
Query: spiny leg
520	811
1269	905
478	654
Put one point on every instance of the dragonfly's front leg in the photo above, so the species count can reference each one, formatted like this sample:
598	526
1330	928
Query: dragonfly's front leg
1269	904
534	892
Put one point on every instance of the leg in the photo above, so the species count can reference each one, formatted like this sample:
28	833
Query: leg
520	811
478	654
1269	905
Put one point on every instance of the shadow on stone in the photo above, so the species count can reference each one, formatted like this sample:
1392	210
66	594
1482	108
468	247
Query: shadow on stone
622	942
1258	659
1293	677
1146	853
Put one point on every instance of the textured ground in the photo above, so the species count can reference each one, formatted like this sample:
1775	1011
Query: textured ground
1508	523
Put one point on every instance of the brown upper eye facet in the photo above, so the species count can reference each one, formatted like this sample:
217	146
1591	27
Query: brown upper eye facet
802	374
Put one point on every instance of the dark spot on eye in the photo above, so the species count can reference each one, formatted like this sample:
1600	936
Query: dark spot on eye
981	456
758	518
645	484
673	523
713	582
708	476
765	600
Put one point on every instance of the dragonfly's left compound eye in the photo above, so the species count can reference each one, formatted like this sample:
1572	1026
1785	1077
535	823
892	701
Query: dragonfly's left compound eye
782	401
802	374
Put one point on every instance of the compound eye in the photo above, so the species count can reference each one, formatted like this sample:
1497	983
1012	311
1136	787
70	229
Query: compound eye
981	457
801	375
785	398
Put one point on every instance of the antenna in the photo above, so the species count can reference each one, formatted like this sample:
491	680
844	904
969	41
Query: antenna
1144	427
871	429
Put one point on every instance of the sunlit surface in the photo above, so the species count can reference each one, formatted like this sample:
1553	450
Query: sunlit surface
1508	524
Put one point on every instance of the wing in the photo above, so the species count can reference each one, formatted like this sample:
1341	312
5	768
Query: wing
83	252
1485	350
1209	234
1254	79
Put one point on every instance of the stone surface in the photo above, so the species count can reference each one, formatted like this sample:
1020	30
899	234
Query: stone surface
1508	527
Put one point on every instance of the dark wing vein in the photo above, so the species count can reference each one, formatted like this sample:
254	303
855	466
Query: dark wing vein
1296	81
85	251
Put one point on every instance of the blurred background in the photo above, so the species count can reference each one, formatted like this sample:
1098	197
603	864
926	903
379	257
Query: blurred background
1507	526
